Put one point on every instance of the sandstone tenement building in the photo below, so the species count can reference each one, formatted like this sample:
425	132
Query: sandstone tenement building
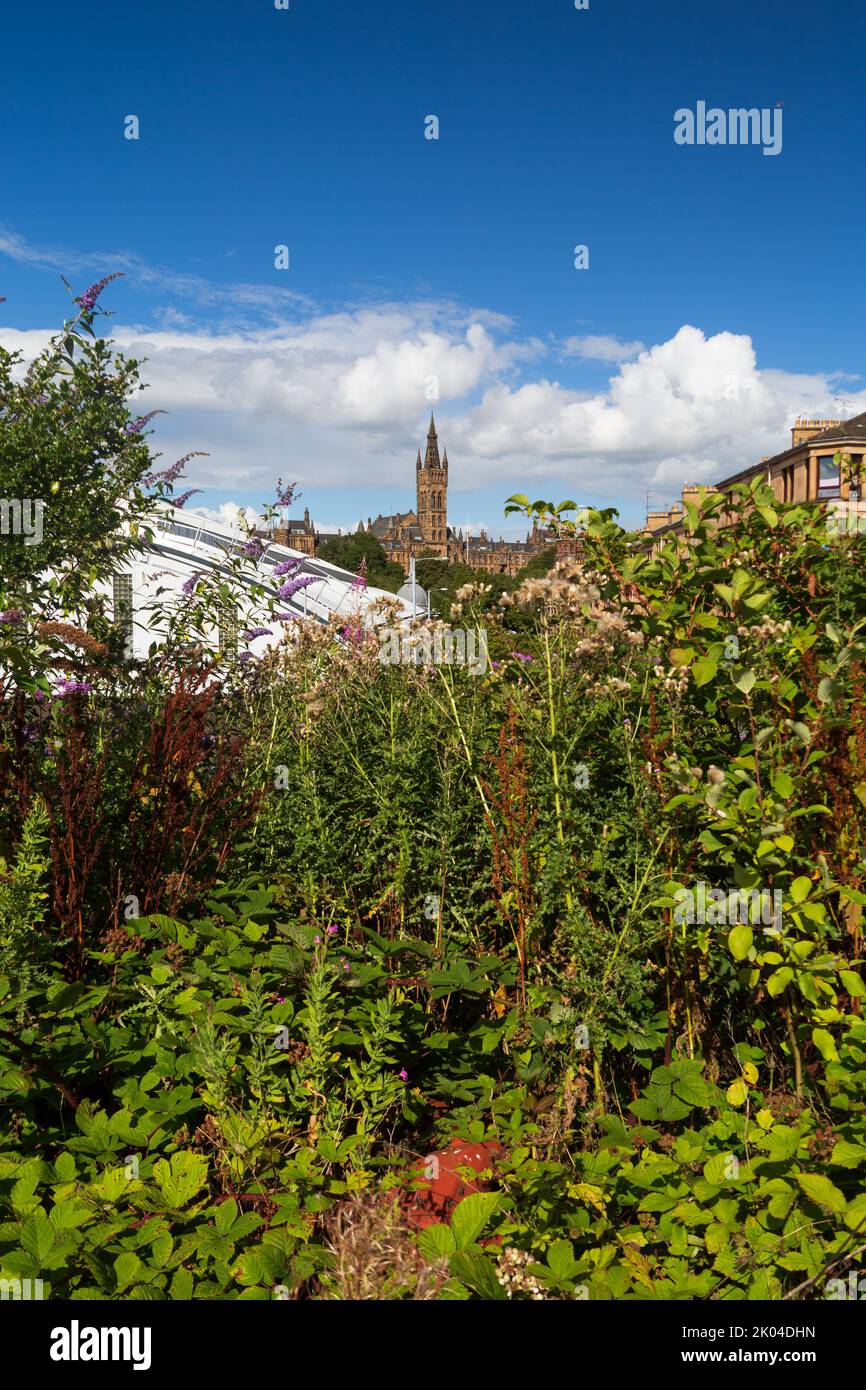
807	471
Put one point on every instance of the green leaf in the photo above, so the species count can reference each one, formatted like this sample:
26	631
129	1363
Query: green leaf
799	889
716	1170
746	682
853	983
644	1109
181	1285
705	670
779	980
225	1216
693	1089
182	1179
740	941
161	1248
658	1201
436	1241
759	600
826	1044
737	1092
560	1258
38	1235
471	1216
64	1167
127	1268
848	1155
855	1214
681	656
475	1270
820	1190
673	1109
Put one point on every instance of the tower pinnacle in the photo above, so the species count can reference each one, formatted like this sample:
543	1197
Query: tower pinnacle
431	458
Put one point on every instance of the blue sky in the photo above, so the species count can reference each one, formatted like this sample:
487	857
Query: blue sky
722	290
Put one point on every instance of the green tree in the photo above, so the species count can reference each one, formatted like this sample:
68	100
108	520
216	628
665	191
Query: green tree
72	455
349	551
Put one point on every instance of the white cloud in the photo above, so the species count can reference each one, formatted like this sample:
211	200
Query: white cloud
601	348
341	399
227	514
262	300
690	409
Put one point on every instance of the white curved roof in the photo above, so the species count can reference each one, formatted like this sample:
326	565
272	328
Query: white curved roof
202	543
183	544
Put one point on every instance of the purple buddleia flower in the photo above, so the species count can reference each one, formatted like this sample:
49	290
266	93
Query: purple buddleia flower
136	426
90	296
10	616
170	475
185	496
246	656
70	687
189	585
253	548
253	632
285	617
287	567
285	495
293	585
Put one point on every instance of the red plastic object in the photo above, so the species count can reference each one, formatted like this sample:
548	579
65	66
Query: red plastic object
438	1183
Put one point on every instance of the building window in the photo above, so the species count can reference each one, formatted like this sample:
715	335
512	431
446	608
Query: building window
854	480
123	614
828	476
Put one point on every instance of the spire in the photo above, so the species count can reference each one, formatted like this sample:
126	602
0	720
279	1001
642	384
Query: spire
431	459
418	464
445	459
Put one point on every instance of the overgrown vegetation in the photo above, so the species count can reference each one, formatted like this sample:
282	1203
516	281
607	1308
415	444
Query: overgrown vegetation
268	943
